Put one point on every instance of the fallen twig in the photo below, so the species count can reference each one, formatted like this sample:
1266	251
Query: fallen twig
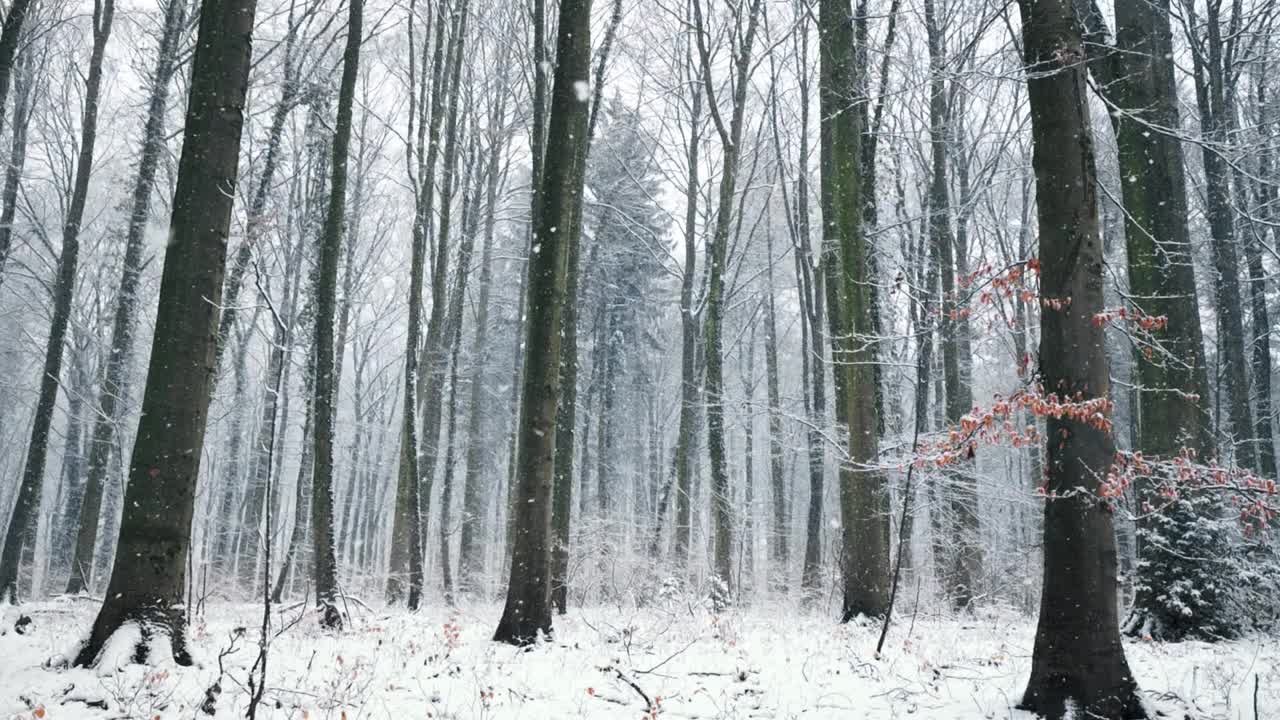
648	704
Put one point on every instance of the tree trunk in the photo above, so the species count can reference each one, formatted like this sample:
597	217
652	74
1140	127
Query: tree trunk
10	38
301	491
437	339
1078	661
114	387
22	107
528	607
962	566
1138	78
718	257
148	578
566	416
1267	199
747	371
470	546
27	510
689	370
864	500
780	523
1212	93
566	427
62	524
324	563
406	534
453	339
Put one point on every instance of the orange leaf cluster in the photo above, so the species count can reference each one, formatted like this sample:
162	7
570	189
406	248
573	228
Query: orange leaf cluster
1171	478
1137	317
996	425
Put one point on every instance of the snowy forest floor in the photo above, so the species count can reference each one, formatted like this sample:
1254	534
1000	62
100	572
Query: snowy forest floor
763	662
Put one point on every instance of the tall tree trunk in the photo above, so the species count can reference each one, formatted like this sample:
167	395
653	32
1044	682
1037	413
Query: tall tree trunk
114	387
1138	78
566	427
1260	350
290	93
470	547
780	517
962	566
1078	660
1267	200
528	606
22	107
27	510
437	341
689	369
406	534
606	483
717	258
813	374
566	415
1213	94
301	491
10	38
747	371
148	578
62	526
453	339
864	501
326	392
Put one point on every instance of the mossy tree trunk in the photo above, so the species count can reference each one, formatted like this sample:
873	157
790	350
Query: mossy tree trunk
864	500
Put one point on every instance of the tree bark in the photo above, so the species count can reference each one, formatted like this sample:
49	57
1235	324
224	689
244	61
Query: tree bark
780	517
1078	660
1213	90
453	339
22	107
689	370
528	607
864	500
10	37
1138	79
566	415
962	567
148	578
324	563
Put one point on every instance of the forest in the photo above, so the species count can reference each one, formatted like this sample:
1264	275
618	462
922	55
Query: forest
639	359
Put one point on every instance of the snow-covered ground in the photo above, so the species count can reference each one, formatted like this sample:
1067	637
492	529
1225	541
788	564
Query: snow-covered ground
673	661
